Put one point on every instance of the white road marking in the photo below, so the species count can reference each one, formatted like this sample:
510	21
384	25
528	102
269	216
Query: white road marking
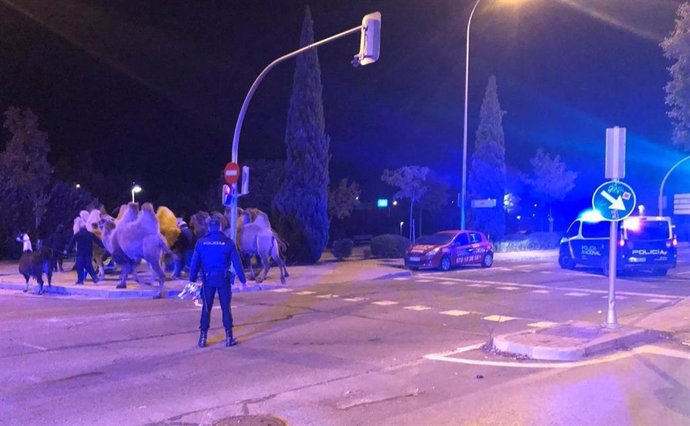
305	293
617	297
354	299
508	288
328	296
498	318
283	290
455	313
29	345
400	279
542	324
681	273
424	280
477	285
578	294
384	303
654	300
647	349
475	282
417	308
546	272
448	283
541	291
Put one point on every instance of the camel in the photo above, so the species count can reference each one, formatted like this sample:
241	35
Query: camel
35	264
134	237
255	237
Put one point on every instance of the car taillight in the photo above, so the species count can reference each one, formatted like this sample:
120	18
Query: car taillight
621	243
673	242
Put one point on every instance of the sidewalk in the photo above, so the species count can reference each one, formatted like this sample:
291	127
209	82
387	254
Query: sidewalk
326	271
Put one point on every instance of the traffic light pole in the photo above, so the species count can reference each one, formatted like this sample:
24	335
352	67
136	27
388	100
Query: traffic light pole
243	111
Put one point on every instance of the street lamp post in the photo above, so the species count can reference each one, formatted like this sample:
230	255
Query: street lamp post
463	191
663	182
135	190
401	224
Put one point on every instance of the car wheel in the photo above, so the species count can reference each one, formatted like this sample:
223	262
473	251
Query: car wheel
566	262
488	260
445	263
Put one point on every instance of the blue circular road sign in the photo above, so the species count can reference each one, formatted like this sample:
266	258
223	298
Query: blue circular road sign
615	200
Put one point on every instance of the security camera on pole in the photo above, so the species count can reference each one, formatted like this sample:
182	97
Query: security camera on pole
615	200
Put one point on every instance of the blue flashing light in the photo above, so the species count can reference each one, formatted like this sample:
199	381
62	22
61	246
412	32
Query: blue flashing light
382	203
591	216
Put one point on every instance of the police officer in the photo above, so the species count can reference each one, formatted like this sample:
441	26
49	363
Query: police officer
215	254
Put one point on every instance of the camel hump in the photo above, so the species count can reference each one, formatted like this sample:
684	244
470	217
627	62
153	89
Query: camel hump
147	219
128	213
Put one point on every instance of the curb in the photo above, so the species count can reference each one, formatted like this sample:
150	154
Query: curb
542	344
392	275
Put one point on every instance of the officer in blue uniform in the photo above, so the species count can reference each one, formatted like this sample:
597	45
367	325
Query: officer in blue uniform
214	254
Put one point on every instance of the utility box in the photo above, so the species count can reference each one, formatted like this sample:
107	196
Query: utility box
615	153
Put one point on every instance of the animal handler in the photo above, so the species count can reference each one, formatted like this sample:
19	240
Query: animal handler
215	255
84	240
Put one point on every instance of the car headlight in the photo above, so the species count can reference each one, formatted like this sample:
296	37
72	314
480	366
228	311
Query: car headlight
432	252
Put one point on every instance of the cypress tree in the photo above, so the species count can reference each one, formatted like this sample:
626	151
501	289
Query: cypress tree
301	204
488	170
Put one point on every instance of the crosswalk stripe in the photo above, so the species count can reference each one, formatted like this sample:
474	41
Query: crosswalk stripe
541	291
424	280
577	294
305	293
542	324
327	296
448	283
384	303
546	272
283	290
400	279
417	308
617	297
508	288
654	300
478	285
354	299
498	318
455	313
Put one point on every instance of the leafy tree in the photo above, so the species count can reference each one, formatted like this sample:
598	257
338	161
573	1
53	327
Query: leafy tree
411	181
435	198
66	201
488	171
301	206
676	47
265	180
550	179
342	199
24	163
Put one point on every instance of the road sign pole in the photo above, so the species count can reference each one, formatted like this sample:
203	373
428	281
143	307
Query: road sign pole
611	320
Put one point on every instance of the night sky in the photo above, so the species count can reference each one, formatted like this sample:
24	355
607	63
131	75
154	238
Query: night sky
154	88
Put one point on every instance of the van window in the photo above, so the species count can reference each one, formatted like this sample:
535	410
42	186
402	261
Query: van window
573	229
595	230
650	230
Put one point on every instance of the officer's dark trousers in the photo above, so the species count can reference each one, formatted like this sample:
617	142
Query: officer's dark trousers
208	293
83	265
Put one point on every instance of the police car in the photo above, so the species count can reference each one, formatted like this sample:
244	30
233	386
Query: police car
446	249
644	243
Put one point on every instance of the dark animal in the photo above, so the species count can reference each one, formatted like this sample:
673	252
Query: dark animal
35	264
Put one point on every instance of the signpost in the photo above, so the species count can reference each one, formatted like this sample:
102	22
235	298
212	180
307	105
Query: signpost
231	174
615	201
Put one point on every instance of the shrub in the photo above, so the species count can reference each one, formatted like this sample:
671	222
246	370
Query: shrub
389	246
342	248
534	241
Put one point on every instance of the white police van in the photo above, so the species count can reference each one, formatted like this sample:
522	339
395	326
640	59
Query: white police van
644	243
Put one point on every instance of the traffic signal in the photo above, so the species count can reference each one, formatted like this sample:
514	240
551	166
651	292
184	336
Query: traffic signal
370	42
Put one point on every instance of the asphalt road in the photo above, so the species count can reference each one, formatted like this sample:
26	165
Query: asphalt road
392	352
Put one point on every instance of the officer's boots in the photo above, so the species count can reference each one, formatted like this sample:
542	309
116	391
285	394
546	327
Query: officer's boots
203	335
229	340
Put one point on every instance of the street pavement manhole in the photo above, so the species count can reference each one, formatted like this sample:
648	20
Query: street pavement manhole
255	420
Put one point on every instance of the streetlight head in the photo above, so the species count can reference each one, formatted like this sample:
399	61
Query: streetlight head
370	41
136	189
77	186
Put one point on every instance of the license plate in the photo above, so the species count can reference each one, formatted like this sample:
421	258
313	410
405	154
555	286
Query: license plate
414	258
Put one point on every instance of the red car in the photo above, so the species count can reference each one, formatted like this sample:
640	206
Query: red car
446	249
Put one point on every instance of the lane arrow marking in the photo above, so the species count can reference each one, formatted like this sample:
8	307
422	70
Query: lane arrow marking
616	203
